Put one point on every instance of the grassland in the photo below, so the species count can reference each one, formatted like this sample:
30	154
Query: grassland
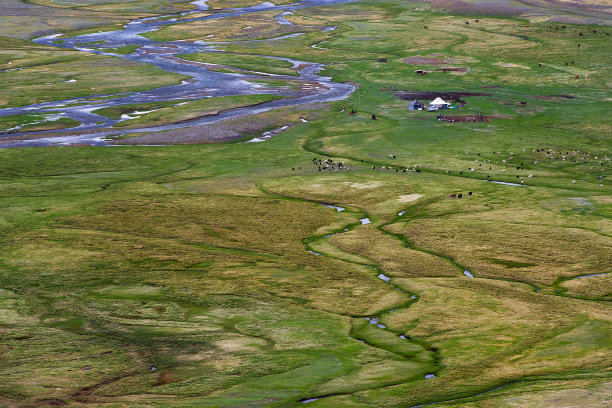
36	74
193	110
28	19
253	26
115	112
180	276
246	62
35	122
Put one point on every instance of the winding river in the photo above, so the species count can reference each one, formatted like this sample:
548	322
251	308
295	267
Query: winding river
203	83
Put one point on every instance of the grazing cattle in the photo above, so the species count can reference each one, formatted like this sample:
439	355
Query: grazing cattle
566	64
352	112
579	45
467	23
572	62
563	27
373	117
523	103
476	21
453	196
460	196
470	193
425	27
373	167
594	31
580	34
577	77
539	65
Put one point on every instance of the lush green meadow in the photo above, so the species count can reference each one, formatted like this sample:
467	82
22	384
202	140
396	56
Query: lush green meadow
211	275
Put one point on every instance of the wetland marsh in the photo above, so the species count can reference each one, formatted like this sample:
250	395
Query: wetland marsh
325	265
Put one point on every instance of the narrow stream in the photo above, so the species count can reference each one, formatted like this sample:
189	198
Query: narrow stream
375	319
203	83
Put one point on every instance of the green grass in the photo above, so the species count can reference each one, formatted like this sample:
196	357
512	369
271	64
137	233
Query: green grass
128	49
193	259
34	122
115	112
45	71
253	26
195	109
247	62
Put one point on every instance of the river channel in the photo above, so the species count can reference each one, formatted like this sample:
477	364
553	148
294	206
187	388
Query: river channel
203	83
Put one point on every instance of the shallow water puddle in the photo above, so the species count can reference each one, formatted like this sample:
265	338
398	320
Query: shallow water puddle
334	206
505	183
580	201
384	277
375	321
589	276
201	4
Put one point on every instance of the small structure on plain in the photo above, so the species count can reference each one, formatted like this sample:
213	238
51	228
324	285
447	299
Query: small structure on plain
415	105
438	103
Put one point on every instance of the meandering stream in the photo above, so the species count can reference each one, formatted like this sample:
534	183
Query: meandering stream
203	83
374	319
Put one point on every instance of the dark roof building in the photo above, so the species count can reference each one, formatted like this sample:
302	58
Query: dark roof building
415	105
